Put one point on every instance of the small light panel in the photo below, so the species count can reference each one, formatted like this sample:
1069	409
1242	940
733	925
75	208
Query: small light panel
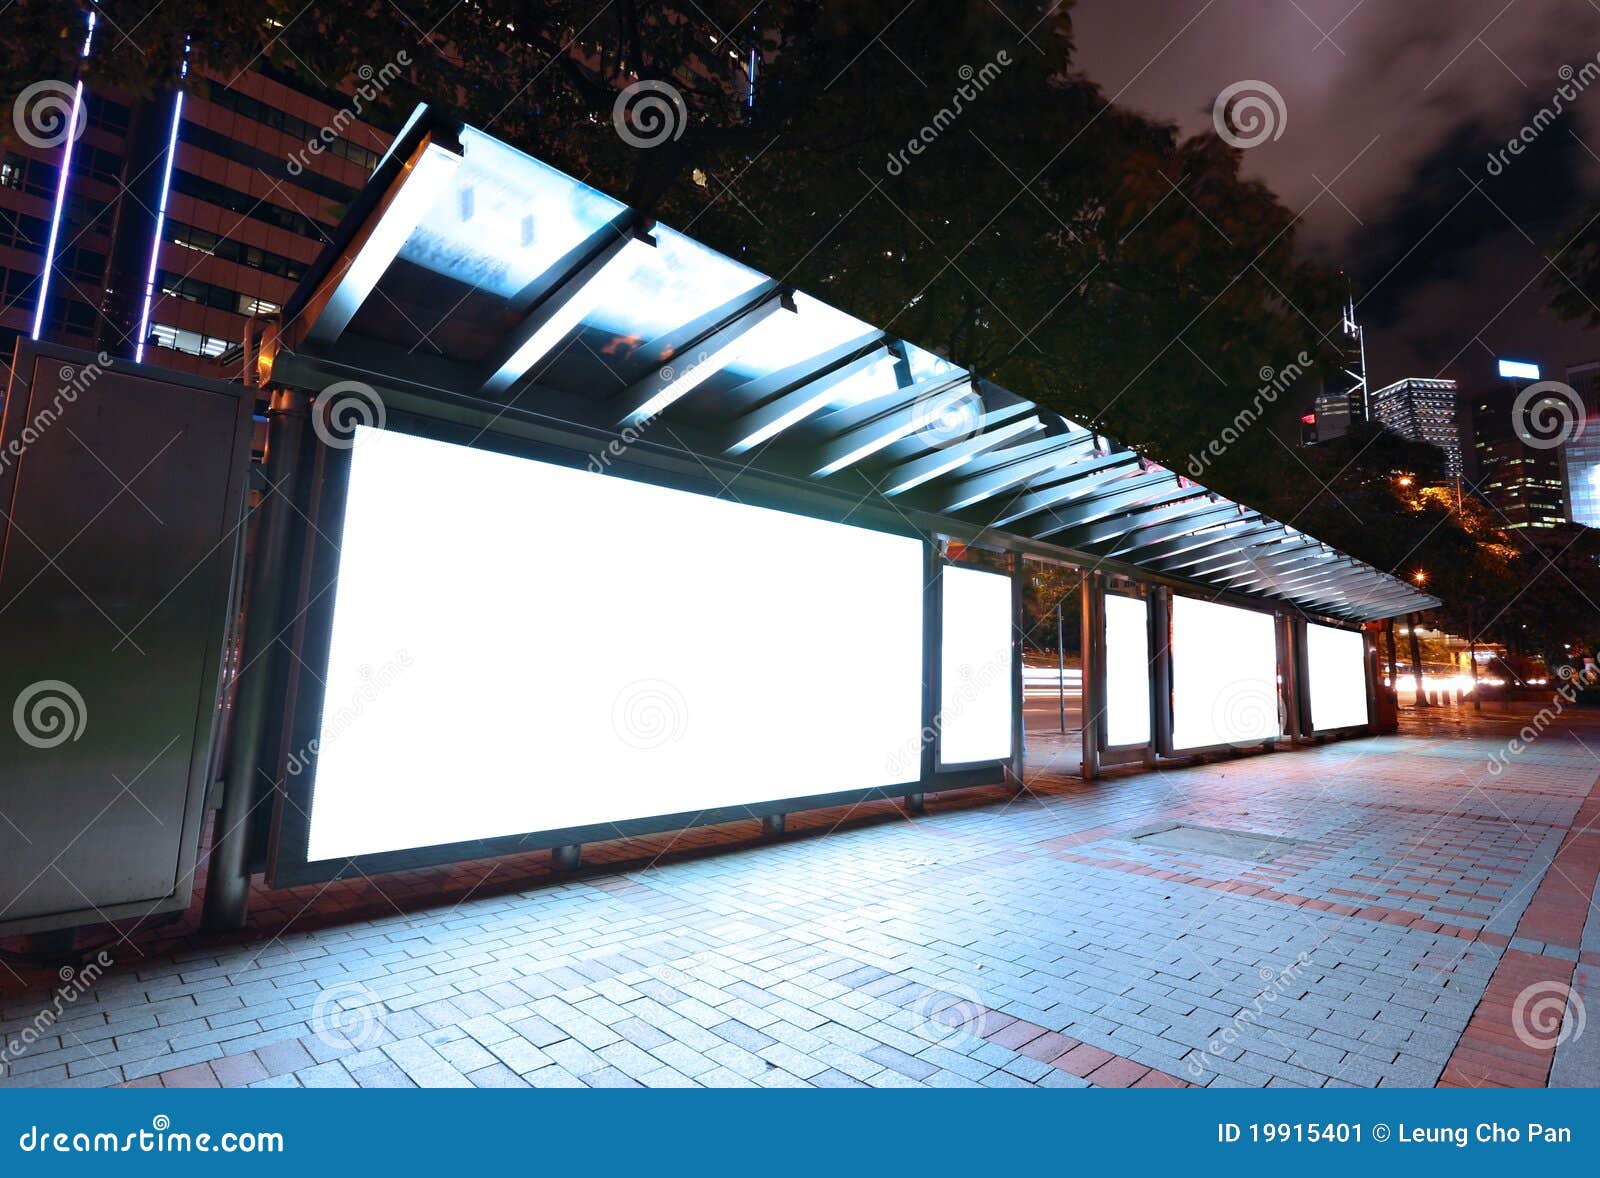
975	683
1519	370
1224	675
1336	660
1127	671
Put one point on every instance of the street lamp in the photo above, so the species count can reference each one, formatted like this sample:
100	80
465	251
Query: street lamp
1420	577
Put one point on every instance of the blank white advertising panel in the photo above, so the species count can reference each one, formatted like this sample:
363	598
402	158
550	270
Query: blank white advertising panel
975	678
1224	675
1336	662
1127	670
521	647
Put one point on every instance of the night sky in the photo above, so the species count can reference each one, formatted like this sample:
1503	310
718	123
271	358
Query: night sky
1397	109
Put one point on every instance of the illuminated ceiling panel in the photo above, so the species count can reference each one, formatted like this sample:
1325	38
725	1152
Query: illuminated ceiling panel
680	335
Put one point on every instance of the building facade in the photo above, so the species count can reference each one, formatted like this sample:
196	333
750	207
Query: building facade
1423	410
1580	456
1517	474
166	222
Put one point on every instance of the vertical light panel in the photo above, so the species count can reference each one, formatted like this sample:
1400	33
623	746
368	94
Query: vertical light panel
519	647
1336	662
1224	675
161	220
975	661
1127	670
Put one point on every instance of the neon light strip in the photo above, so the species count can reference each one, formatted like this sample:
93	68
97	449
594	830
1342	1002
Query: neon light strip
161	218
61	193
55	218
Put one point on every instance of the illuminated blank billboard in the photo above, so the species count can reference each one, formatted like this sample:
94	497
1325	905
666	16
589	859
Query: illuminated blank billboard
1127	670
1336	664
520	647
1224	675
975	680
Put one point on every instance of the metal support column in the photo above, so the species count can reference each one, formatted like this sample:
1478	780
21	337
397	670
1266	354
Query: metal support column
1161	669
1292	655
1369	657
1019	726
774	824
227	878
932	596
1061	667
567	857
1094	694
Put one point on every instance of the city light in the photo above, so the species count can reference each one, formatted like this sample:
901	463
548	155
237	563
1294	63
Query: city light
1519	370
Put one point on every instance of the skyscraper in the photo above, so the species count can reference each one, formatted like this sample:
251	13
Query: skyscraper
1424	410
165	222
1580	456
1514	466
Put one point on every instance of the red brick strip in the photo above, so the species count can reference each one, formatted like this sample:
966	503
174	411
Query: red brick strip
1503	1046
1377	912
1090	1063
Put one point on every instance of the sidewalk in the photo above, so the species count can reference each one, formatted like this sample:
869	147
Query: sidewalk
1394	914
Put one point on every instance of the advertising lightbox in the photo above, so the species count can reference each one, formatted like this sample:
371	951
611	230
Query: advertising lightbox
518	646
1224	675
975	681
1336	665
1127	670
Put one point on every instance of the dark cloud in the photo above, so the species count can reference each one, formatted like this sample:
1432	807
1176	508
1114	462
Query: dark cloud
1394	106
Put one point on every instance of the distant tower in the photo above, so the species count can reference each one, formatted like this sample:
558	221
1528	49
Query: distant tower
1355	360
1343	399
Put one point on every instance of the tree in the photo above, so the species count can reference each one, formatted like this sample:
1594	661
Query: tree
943	169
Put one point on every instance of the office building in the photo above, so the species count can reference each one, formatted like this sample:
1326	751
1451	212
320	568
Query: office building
1423	410
168	221
1514	469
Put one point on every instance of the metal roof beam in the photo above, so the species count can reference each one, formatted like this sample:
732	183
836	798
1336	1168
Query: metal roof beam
356	274
1249	537
1075	482
1016	464
1118	534
1198	545
1135	537
606	253
951	458
807	389
904	417
714	351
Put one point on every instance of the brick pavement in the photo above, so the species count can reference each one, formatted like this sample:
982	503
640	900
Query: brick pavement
1424	926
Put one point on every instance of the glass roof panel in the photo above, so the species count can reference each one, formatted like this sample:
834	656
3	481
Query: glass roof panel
505	219
673	284
785	339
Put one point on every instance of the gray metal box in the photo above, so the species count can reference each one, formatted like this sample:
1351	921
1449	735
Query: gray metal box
121	511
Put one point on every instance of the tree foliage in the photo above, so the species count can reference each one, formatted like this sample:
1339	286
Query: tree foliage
942	168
